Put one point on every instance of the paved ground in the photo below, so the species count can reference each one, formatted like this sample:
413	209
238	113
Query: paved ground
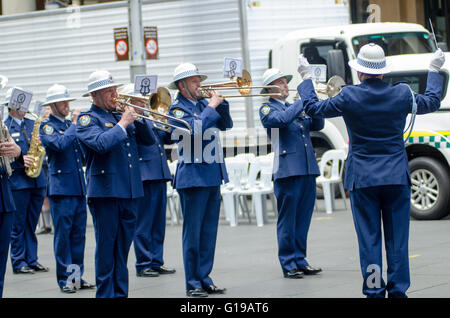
246	263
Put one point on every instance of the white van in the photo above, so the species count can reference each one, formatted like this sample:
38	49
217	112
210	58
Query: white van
408	48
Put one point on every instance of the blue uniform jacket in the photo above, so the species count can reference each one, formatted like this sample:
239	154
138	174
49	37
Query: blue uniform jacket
19	180
152	158
112	165
375	115
200	156
65	158
294	153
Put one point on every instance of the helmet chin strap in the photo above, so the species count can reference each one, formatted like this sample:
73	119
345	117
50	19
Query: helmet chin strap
282	97
100	101
187	91
56	111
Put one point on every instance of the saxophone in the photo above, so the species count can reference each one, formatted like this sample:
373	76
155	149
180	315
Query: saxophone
4	136
37	151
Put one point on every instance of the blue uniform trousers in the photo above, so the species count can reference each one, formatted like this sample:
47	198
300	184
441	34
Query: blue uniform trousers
23	238
388	205
114	223
151	225
69	221
6	221
201	208
295	202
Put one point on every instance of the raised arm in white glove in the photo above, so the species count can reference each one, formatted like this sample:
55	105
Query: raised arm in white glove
303	68
437	61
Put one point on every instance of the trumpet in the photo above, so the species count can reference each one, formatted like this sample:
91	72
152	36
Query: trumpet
333	87
242	84
157	107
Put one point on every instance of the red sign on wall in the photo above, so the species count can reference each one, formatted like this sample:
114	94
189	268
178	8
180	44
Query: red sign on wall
121	45
151	42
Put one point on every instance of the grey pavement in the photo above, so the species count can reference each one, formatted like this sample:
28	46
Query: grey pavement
246	262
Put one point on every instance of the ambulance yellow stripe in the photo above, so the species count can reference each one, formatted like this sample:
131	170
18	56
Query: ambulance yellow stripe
428	133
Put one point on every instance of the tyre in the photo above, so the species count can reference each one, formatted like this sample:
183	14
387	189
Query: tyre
430	190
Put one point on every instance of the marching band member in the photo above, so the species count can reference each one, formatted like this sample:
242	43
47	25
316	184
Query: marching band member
7	206
113	180
8	148
28	193
67	189
45	221
151	212
295	172
199	176
377	171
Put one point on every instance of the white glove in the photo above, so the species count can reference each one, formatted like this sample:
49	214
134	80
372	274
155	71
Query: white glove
303	68
437	61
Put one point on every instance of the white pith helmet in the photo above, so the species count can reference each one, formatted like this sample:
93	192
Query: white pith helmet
98	80
57	93
370	60
8	95
185	70
272	74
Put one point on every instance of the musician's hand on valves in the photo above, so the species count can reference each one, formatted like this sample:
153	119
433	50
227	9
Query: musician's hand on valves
303	68
75	114
437	61
216	99
28	160
10	149
128	116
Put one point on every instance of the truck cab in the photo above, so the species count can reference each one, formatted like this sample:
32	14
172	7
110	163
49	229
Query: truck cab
408	48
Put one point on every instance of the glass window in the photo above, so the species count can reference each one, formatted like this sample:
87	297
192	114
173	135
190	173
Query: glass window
417	80
398	43
317	53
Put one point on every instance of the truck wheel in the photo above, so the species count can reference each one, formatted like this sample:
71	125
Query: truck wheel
430	189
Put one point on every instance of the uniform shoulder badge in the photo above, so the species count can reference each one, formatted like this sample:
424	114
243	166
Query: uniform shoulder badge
265	109
84	120
48	130
178	113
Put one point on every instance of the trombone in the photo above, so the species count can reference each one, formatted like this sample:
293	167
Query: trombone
157	107
242	84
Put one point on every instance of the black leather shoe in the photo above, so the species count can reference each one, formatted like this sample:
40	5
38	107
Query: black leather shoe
24	270
294	273
213	289
198	292
148	272
309	270
39	268
164	270
86	285
68	289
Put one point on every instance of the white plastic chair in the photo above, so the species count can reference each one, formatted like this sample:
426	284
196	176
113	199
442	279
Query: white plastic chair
237	169
173	199
337	158
262	165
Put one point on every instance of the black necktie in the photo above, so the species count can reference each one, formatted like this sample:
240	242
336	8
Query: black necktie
25	132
